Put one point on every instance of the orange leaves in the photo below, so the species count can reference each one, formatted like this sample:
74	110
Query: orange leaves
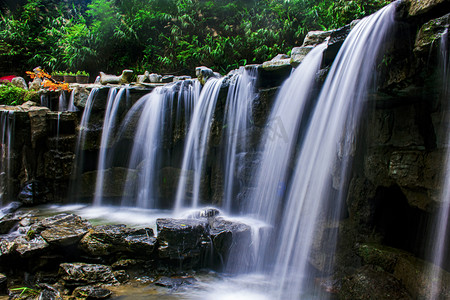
53	86
48	82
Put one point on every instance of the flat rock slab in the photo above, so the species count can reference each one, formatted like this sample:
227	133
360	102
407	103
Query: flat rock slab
80	274
62	229
32	247
105	240
91	292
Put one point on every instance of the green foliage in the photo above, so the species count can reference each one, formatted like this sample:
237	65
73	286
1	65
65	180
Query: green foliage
11	95
82	73
164	35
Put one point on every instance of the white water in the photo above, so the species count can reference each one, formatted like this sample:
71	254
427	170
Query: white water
238	111
109	123
79	157
72	106
317	189
62	103
439	235
7	125
156	110
146	153
196	145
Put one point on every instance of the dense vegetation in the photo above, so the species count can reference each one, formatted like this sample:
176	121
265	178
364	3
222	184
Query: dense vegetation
162	35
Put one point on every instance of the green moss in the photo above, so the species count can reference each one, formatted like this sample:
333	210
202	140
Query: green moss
11	95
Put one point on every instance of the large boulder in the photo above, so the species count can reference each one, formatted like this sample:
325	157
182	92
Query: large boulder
183	239
19	82
412	272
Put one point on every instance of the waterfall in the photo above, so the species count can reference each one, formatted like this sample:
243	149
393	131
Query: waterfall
79	156
45	101
62	103
7	124
238	109
196	144
109	123
72	106
439	234
154	112
317	189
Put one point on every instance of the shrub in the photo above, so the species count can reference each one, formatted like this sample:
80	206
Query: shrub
11	95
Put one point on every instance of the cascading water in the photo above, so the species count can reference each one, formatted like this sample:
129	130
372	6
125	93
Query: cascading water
317	187
109	123
279	141
155	111
7	124
195	148
83	128
62	103
439	233
241	94
72	106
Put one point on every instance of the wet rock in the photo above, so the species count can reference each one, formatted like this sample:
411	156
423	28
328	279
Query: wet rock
370	283
230	238
125	264
38	123
204	73
80	96
181	239
154	78
33	247
298	54
33	193
49	292
412	272
3	284
91	293
80	274
113	79
113	187
281	61
19	82
7	222
64	229
175	282
121	275
6	248
406	167
316	37
105	240
167	79
421	7
143	78
429	36
337	38
10	208
181	78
